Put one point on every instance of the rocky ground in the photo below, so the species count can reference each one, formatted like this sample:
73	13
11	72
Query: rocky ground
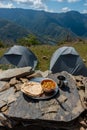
10	88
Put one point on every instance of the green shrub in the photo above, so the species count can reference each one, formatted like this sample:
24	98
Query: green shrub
1	44
28	41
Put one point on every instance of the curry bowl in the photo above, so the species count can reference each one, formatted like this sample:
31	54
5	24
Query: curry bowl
48	85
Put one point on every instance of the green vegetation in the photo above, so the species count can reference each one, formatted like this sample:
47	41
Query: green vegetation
44	53
82	50
2	51
29	40
7	66
1	44
47	50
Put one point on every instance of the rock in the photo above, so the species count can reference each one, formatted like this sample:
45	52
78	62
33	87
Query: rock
86	90
85	103
24	80
1	70
2	85
7	97
2	119
13	81
44	74
36	74
62	98
18	87
3	109
73	102
80	85
82	128
78	78
5	122
39	73
79	82
83	123
65	107
45	57
26	108
84	60
5	87
17	72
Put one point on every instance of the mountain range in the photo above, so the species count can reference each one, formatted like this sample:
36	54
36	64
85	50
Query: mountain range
48	27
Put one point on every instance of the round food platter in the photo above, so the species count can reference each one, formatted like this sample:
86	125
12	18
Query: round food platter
43	95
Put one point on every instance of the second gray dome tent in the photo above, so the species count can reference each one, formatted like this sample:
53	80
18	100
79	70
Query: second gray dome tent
67	59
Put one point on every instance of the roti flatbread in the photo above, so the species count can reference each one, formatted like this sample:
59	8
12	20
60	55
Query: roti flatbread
32	88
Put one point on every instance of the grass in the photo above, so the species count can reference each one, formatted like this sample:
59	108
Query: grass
2	51
44	53
47	50
82	50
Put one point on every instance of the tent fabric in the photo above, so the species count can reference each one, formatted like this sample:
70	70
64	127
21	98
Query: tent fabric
67	59
19	56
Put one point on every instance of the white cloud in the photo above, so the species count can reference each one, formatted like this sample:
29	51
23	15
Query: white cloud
60	0
28	1
84	11
70	1
85	4
32	4
65	9
36	4
9	5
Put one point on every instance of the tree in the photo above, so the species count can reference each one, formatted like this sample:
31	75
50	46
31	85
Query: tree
29	40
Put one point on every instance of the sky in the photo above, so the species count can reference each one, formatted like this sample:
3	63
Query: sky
47	5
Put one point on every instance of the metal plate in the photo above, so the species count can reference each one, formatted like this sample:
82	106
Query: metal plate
44	96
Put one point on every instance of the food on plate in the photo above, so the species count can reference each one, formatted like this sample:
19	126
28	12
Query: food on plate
32	88
48	85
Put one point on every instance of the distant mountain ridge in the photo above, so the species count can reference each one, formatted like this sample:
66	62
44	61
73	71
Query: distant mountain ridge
49	27
11	31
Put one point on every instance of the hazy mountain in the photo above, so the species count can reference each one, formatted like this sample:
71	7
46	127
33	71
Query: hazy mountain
11	31
49	27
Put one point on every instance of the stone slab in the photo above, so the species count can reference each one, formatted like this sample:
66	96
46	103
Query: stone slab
25	108
17	72
2	85
7	97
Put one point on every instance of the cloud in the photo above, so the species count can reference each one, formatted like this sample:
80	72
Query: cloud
69	1
33	4
8	5
36	4
84	11
85	4
65	9
60	0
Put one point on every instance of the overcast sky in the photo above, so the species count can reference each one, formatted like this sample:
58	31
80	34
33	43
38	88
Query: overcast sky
47	5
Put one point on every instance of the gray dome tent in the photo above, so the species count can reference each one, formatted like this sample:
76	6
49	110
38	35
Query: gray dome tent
67	59
19	56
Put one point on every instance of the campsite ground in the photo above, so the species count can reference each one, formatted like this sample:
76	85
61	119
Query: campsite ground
44	53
